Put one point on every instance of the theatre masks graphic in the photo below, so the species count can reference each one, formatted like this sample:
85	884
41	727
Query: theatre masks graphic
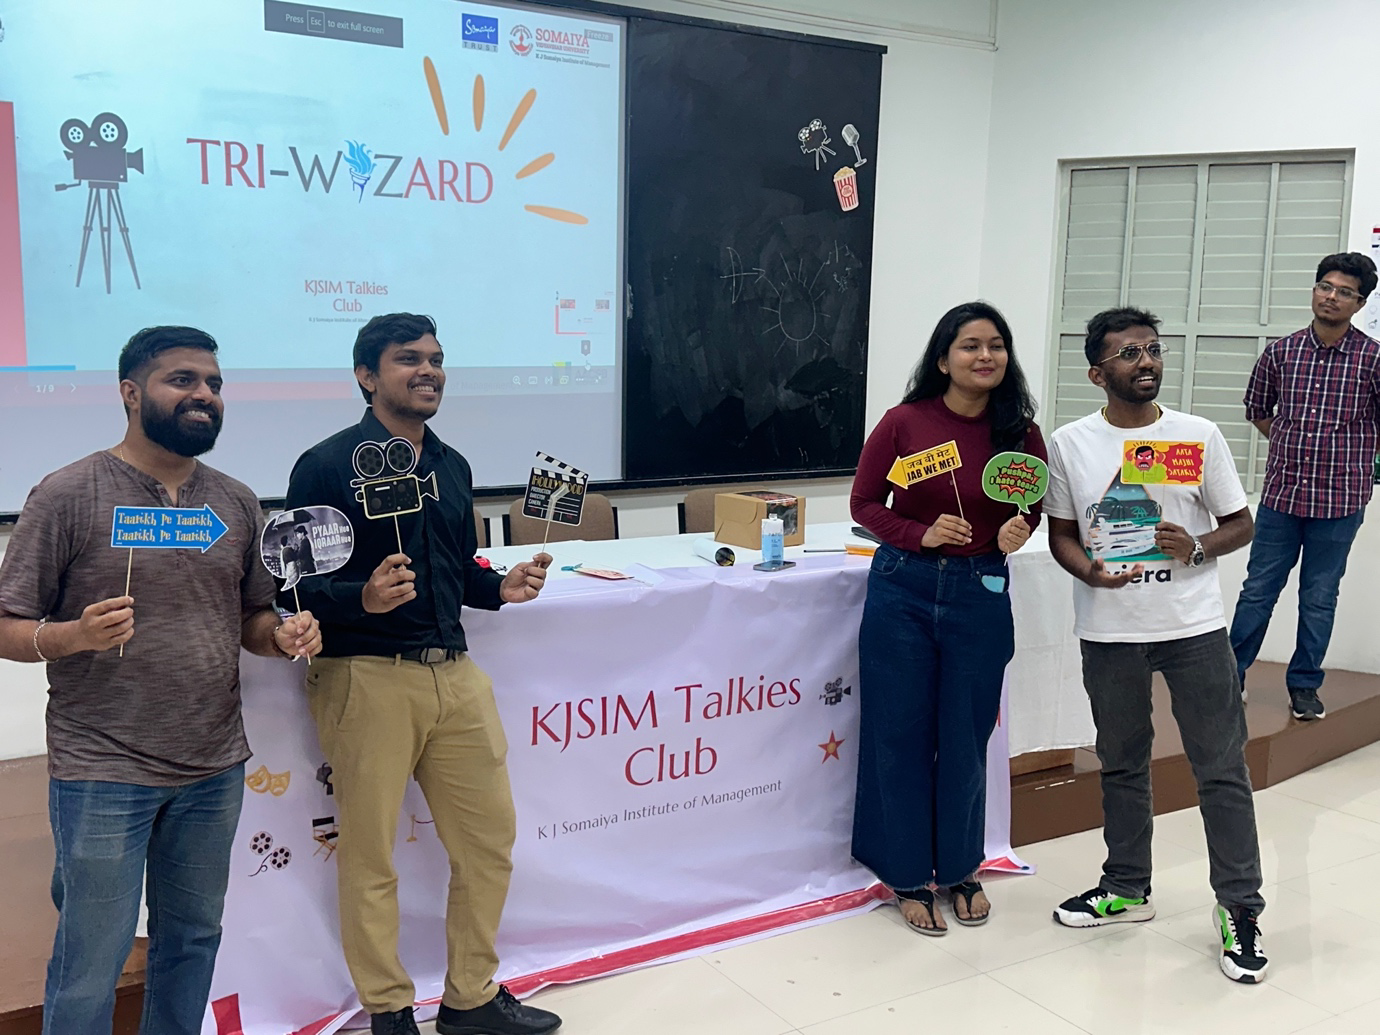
306	541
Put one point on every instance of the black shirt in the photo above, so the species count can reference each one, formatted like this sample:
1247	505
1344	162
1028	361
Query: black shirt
440	539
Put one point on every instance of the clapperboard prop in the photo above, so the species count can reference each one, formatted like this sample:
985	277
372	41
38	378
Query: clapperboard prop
555	492
163	528
305	541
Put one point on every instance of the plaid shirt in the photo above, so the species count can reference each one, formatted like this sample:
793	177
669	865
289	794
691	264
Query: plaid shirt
1325	402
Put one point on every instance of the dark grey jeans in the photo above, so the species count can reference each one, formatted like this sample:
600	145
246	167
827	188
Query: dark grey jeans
1205	695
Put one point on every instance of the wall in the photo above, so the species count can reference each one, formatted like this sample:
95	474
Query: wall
1079	79
931	164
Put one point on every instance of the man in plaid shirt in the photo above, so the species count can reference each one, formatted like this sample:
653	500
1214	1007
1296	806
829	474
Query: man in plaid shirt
1316	396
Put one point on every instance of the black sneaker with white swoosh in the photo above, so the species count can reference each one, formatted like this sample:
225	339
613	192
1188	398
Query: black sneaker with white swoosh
1098	907
1243	955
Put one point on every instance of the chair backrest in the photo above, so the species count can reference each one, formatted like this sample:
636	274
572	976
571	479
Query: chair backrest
598	520
481	529
697	510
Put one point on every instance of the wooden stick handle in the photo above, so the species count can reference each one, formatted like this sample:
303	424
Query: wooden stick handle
298	605
129	571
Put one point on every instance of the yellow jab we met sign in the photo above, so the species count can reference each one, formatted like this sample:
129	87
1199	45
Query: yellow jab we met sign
908	470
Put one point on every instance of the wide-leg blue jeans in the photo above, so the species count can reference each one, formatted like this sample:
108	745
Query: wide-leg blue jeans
936	636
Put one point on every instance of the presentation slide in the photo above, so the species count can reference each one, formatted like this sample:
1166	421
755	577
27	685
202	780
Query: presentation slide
279	173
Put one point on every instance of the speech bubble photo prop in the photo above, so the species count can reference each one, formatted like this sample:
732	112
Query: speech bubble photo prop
163	528
555	492
1018	478
305	541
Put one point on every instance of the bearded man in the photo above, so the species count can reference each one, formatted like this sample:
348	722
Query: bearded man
146	746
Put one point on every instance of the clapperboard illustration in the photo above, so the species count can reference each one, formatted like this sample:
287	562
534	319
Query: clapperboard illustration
555	491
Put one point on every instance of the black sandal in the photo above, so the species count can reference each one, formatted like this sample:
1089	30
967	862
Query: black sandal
925	896
968	890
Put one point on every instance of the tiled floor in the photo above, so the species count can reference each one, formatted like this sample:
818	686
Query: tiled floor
1320	843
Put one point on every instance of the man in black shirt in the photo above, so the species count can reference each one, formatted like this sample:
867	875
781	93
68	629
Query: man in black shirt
395	694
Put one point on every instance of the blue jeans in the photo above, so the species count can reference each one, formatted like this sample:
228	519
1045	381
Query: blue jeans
1279	538
935	639
104	836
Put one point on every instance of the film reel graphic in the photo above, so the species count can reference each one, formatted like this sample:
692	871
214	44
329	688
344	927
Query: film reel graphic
261	844
385	481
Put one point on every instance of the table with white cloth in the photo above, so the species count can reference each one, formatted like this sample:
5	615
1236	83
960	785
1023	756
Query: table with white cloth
682	750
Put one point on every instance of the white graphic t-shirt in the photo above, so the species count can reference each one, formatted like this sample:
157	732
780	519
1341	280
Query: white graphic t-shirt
1118	483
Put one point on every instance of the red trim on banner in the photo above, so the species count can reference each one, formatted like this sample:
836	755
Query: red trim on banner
227	1013
640	955
318	1026
13	352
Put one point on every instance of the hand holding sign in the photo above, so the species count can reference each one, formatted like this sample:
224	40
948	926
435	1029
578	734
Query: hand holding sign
1018	478
1013	535
525	580
948	530
104	624
299	636
391	585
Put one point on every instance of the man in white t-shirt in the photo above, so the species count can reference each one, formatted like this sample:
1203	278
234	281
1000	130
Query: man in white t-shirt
1142	499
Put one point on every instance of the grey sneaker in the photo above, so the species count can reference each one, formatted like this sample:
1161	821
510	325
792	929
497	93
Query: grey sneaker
1306	705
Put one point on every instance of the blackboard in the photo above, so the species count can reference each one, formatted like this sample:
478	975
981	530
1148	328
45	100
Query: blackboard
748	281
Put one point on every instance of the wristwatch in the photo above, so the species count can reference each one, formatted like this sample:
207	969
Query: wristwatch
1197	557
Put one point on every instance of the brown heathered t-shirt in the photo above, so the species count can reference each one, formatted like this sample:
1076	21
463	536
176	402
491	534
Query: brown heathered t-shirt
168	712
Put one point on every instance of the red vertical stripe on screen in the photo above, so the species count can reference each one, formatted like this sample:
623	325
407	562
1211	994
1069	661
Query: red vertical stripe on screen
12	349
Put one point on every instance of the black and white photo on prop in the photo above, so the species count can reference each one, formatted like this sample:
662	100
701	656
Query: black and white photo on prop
306	541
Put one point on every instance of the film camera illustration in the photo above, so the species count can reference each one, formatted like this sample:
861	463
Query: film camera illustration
100	159
386	485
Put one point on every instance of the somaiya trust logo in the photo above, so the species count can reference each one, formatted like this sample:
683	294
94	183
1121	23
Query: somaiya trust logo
520	39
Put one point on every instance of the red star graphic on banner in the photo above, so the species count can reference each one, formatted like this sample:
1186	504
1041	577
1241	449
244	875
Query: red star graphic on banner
831	747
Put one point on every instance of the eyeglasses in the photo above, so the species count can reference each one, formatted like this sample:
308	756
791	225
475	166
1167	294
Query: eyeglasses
1132	353
1345	294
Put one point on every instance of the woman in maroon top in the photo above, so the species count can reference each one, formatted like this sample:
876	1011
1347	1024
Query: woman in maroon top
936	629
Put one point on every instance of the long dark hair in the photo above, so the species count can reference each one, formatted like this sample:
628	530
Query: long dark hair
1010	407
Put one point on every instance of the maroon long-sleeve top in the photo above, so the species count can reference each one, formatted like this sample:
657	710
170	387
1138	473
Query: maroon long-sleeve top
913	428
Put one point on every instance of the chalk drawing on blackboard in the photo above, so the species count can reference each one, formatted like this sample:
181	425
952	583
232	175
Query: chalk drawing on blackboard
737	275
815	138
796	308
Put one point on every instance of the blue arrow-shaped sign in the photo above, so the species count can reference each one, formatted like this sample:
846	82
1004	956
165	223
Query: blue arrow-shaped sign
166	528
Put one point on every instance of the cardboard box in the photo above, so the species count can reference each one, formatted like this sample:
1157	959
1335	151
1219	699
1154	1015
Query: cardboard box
738	517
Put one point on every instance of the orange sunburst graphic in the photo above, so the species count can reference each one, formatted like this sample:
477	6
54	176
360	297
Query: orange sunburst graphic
524	107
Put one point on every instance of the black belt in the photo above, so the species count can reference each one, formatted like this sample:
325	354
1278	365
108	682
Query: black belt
429	655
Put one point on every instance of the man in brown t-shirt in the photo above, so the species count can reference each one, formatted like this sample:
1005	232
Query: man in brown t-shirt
146	746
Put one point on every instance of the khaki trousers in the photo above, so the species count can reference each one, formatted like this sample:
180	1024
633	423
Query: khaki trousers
382	721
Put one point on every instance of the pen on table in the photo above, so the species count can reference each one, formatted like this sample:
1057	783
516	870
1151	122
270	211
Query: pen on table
839	549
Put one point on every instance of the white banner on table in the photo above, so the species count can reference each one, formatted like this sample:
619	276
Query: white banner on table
683	761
